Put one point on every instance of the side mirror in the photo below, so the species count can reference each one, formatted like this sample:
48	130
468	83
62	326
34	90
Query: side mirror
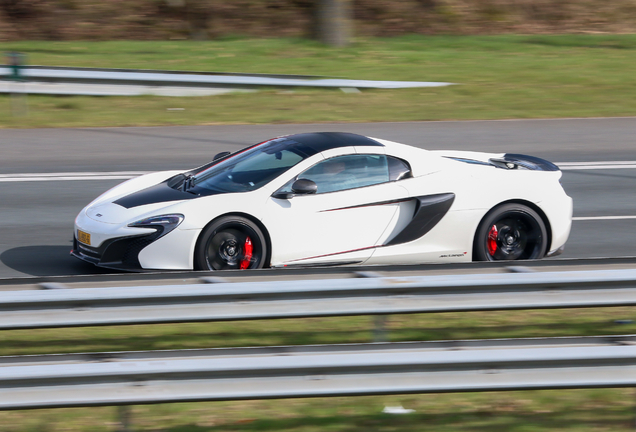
299	187
221	155
304	187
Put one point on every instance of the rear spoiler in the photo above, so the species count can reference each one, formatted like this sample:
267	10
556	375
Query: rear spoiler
519	161
511	161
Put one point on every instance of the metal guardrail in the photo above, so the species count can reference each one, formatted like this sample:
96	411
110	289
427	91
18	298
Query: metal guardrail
315	298
556	264
173	72
150	79
316	371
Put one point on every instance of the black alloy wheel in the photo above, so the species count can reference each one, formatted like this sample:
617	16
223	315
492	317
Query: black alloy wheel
511	232
231	243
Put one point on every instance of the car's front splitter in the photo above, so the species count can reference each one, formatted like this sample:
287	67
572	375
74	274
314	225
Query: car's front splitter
121	253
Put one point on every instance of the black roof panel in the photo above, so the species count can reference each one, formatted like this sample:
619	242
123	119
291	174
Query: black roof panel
321	141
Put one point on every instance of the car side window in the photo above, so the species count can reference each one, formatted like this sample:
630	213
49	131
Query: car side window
398	169
348	172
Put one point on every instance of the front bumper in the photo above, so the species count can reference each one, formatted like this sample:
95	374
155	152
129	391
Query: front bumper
121	247
120	253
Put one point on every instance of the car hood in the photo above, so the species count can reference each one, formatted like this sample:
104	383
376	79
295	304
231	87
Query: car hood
105	208
133	185
112	213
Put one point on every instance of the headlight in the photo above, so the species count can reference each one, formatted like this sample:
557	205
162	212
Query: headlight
163	224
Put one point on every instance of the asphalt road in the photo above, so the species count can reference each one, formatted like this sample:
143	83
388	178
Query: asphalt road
36	217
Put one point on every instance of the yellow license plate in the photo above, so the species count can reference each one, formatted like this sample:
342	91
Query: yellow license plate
84	237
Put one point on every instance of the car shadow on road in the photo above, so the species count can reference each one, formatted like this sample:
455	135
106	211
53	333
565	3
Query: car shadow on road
47	261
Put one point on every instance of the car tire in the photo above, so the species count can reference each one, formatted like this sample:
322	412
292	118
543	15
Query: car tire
510	232
230	243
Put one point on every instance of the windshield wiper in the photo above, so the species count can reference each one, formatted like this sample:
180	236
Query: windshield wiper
187	183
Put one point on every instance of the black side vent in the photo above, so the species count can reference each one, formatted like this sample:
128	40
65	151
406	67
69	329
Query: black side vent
429	211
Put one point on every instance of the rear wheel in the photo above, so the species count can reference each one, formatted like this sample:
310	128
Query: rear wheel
231	243
511	232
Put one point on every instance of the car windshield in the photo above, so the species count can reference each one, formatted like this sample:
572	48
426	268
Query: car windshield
250	169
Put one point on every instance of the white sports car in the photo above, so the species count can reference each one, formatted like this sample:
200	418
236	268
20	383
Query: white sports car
329	198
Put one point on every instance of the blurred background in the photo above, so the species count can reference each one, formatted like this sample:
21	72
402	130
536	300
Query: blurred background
213	19
559	72
512	59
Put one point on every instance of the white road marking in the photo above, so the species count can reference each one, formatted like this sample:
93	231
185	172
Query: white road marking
598	163
594	218
565	166
119	175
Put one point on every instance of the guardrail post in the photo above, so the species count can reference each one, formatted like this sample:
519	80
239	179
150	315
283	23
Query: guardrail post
379	330
379	321
16	62
123	412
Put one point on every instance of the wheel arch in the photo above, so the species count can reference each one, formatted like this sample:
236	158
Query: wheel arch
529	204
253	219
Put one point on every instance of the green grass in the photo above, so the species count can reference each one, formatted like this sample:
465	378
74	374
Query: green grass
500	77
440	326
561	410
557	410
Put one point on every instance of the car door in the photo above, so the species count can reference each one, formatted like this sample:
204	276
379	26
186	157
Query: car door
343	221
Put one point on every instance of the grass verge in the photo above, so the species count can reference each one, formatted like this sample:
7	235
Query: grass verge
439	326
524	411
556	410
499	76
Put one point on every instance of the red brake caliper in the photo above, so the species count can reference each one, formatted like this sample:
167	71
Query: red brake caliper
492	240
247	254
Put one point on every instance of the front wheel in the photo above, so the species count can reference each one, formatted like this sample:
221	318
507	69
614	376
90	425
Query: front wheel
511	232
230	243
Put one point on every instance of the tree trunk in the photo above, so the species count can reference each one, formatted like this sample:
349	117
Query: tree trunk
334	22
